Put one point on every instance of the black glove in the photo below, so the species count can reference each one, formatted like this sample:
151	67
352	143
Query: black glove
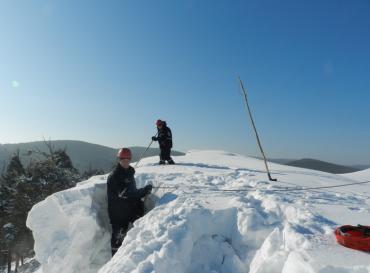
154	138
148	189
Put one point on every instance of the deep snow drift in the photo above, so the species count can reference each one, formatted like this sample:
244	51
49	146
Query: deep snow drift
200	223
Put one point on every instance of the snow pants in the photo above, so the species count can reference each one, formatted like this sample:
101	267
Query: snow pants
119	229
165	154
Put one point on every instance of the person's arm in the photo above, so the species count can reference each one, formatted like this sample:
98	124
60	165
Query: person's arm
131	192
169	135
155	138
162	135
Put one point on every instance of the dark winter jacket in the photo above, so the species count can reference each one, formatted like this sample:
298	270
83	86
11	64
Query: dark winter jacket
164	136
123	196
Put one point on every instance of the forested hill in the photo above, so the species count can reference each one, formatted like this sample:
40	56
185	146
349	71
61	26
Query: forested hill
84	155
319	165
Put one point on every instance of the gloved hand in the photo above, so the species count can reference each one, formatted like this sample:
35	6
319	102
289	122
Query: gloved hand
148	189
154	138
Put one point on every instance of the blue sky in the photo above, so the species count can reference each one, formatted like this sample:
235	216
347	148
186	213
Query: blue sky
104	71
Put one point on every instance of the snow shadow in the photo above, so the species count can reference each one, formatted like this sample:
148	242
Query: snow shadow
202	165
218	167
166	198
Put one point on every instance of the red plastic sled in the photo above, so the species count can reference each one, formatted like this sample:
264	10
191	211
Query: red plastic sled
354	237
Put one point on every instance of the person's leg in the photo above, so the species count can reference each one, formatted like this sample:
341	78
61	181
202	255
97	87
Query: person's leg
168	156
162	156
113	240
118	234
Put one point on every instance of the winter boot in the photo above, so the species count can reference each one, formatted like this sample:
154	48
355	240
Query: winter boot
171	162
162	162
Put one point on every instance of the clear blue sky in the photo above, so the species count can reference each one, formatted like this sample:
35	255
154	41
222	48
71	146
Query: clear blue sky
104	71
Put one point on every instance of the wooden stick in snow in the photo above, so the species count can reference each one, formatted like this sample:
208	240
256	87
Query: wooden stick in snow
255	130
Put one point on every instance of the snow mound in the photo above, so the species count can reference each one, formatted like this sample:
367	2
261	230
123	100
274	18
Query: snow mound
70	229
360	175
214	212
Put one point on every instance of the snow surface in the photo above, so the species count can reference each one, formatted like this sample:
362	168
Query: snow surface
201	224
360	175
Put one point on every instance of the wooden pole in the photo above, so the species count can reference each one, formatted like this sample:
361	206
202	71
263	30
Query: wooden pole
255	130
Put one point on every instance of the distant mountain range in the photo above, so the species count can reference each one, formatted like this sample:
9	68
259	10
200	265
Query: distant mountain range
320	165
361	167
84	155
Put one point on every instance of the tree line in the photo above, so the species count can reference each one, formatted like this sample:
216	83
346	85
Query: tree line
21	188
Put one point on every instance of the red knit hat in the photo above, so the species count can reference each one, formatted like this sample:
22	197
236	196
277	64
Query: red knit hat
124	153
159	122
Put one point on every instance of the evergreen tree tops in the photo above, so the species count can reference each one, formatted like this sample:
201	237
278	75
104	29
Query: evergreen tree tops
21	188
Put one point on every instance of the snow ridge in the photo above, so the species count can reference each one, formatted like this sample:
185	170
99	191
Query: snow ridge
196	227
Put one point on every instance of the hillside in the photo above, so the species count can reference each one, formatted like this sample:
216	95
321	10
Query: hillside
323	166
213	211
83	154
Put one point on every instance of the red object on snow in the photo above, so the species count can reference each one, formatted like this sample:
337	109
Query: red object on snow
354	237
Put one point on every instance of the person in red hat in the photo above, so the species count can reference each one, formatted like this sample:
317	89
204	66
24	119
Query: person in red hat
164	138
124	199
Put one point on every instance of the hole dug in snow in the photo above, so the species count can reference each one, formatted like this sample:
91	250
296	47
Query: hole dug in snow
227	240
217	253
184	236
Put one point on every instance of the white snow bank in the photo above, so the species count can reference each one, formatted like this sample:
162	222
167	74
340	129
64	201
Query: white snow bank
363	175
71	227
197	226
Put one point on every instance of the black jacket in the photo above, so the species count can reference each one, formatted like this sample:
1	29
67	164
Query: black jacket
123	196
164	136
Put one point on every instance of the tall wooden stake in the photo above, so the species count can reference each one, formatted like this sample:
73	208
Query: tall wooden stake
255	130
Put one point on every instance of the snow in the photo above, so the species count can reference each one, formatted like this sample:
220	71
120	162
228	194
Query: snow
360	175
199	225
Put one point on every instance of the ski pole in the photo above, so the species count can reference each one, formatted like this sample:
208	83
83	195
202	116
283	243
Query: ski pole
145	151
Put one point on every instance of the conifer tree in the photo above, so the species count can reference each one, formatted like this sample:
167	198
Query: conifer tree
22	188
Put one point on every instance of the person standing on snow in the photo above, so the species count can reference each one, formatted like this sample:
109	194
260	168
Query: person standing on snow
164	139
124	199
